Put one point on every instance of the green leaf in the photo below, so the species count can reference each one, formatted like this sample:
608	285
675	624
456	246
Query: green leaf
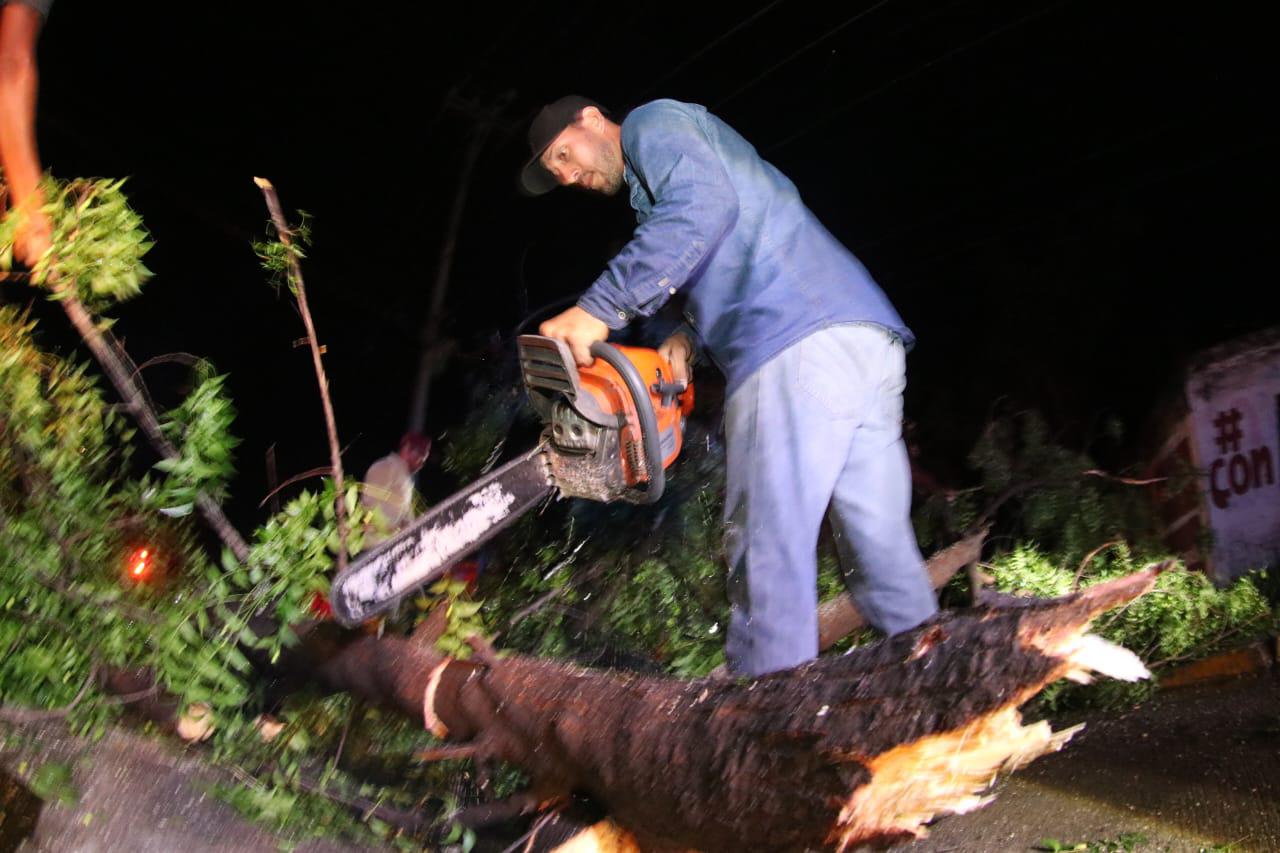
53	781
188	632
464	609
237	659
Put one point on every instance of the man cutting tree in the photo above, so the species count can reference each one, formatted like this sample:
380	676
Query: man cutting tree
812	350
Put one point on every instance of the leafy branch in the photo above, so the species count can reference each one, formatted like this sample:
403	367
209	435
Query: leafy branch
100	243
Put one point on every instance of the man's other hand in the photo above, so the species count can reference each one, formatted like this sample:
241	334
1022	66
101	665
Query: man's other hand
579	330
678	350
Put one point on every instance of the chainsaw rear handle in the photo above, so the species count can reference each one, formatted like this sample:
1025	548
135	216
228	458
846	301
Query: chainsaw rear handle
644	411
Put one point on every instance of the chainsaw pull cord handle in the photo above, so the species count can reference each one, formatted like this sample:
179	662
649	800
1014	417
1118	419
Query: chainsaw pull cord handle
644	411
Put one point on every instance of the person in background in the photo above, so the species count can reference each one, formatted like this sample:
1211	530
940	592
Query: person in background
389	483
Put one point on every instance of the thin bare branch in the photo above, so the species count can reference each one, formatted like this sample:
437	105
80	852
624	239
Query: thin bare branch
528	838
346	728
1088	558
185	358
300	291
1128	481
296	478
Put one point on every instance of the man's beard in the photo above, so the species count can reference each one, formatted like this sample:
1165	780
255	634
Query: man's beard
610	168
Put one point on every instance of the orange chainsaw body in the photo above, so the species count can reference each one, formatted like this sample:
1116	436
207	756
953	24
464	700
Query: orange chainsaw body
594	431
606	386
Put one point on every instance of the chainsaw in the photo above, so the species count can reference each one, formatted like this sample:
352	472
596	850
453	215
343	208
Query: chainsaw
610	432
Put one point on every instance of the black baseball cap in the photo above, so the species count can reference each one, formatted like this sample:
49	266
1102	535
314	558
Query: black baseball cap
551	119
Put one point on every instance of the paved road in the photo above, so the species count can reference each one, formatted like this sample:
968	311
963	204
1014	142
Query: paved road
132	793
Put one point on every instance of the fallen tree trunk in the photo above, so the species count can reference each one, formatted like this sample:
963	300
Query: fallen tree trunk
865	747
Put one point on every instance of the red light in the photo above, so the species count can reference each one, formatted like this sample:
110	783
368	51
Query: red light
140	564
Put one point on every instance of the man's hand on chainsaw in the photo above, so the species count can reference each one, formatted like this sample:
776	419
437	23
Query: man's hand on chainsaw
579	330
678	350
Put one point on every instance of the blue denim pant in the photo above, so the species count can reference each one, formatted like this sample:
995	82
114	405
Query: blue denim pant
818	428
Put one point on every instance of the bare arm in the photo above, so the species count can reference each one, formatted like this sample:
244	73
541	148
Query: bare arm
19	30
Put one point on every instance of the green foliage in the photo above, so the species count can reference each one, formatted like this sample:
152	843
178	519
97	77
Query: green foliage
74	510
621	585
289	563
278	259
68	608
1049	496
1184	618
465	838
66	518
462	615
201	430
327	770
1062	522
99	240
73	515
52	781
1126	842
683	634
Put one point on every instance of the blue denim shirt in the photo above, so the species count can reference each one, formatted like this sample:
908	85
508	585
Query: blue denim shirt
716	220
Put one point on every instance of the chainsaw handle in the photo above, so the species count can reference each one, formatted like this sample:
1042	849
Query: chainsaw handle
644	411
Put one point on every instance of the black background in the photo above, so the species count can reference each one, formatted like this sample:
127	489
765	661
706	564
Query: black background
1062	199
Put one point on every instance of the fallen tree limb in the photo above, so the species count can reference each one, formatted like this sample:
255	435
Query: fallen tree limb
865	747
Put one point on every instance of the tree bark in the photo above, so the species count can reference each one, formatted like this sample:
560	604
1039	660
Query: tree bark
865	747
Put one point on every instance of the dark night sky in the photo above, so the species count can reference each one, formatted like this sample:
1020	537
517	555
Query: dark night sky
1062	198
